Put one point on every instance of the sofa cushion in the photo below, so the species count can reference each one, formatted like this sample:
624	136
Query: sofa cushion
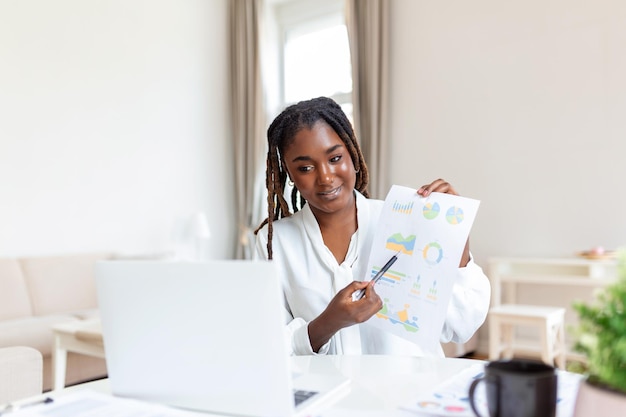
62	283
14	299
33	331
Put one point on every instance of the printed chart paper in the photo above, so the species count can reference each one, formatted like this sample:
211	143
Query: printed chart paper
429	235
450	398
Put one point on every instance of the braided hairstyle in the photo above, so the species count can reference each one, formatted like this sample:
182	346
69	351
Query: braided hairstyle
280	135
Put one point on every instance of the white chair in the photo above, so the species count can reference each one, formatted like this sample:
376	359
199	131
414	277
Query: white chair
21	373
504	319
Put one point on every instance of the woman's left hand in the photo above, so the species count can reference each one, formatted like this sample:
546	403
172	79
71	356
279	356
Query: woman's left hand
439	186
442	186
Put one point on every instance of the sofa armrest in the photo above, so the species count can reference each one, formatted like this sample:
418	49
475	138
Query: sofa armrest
21	373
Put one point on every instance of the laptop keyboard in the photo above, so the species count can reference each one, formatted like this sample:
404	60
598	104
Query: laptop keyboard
300	395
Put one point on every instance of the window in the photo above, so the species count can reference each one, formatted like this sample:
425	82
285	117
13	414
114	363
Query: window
314	51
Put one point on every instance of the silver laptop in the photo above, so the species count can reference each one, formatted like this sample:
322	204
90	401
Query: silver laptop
207	336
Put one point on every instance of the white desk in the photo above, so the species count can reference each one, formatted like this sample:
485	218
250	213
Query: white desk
378	382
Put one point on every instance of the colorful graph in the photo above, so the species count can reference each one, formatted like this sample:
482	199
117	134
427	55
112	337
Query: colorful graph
400	317
403	208
416	289
392	277
431	210
454	215
429	405
432	253
432	292
397	242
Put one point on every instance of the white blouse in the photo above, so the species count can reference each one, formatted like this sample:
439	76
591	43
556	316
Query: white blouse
311	277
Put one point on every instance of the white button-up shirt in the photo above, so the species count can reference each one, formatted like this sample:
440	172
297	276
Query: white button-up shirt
311	276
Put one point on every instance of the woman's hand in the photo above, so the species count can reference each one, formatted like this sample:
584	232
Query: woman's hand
441	186
342	312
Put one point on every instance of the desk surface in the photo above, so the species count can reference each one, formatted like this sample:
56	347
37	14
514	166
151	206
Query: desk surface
379	382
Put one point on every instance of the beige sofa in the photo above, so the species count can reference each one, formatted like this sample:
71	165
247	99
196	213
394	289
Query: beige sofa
21	372
37	293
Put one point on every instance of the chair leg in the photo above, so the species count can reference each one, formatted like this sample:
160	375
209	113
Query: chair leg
560	345
508	329
547	344
494	338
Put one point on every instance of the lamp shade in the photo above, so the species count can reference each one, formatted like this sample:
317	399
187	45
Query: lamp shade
199	226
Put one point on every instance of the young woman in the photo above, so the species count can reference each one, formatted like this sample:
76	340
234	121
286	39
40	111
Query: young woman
322	249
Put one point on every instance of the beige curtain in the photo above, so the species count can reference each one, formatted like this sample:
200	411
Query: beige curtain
368	31
247	110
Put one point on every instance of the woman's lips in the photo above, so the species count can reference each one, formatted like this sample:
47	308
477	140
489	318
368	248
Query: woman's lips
330	193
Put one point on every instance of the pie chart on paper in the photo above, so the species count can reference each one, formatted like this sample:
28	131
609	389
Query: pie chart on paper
454	215
430	210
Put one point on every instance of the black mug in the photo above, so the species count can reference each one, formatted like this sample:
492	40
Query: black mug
518	388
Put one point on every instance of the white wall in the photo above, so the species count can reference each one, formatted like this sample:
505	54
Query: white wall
521	105
114	125
114	120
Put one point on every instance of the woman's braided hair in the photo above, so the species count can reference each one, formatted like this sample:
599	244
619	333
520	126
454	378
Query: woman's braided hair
280	135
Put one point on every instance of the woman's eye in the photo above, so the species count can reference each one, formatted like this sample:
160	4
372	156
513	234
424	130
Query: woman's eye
305	169
335	158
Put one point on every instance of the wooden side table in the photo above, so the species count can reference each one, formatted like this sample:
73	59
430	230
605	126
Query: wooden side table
558	275
549	321
83	336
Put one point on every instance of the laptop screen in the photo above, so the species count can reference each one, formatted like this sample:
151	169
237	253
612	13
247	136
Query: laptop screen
205	336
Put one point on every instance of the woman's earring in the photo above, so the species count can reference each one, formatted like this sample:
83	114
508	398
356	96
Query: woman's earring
357	171
290	183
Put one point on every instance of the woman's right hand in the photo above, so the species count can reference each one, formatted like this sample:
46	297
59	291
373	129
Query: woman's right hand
342	312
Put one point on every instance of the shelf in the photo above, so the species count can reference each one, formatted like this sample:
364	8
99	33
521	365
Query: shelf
552	261
570	272
555	280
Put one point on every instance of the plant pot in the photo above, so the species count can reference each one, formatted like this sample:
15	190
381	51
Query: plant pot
593	401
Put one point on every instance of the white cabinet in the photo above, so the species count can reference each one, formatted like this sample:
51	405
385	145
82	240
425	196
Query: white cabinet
506	273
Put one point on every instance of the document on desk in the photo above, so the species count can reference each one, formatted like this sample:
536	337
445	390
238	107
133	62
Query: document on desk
428	235
450	398
88	403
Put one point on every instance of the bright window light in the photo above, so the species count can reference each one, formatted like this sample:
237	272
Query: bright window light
317	63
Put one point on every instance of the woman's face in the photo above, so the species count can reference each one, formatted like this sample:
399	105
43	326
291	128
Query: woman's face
320	166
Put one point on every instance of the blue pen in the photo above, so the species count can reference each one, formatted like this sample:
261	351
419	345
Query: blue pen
358	294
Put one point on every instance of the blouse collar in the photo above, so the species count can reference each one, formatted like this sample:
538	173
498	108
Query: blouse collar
315	234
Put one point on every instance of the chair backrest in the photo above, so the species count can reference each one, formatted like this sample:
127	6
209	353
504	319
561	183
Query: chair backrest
21	373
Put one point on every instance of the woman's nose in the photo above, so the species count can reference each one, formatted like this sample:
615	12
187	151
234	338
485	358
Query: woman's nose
325	175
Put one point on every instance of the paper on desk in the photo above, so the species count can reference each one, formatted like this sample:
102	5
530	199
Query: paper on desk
430	234
88	403
450	398
338	412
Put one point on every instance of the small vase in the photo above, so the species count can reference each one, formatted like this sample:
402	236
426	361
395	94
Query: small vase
594	401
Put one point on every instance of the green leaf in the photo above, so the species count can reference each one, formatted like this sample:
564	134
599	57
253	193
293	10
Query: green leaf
601	333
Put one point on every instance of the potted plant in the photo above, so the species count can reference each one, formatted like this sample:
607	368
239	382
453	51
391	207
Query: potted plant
601	337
